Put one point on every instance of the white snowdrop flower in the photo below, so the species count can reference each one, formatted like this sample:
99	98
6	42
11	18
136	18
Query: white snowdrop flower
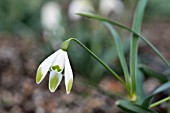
108	6
79	6
51	16
57	63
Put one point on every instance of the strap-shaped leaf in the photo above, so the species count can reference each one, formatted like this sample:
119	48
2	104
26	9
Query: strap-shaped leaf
137	22
148	100
96	17
120	51
130	107
150	72
140	87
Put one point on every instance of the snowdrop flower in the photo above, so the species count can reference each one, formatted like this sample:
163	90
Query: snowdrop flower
57	63
79	6
108	6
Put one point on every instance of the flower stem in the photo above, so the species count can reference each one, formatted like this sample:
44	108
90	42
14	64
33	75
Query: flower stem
100	61
159	102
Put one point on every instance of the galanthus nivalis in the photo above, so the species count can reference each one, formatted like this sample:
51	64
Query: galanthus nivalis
56	64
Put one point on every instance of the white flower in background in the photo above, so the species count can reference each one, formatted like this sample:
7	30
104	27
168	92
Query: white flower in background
51	15
108	6
77	6
56	64
51	21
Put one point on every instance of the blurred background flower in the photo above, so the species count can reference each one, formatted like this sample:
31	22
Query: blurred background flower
79	6
51	20
111	6
51	16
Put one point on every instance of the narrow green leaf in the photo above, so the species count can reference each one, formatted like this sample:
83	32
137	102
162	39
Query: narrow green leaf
96	17
130	107
150	72
159	102
162	88
120	51
137	21
140	89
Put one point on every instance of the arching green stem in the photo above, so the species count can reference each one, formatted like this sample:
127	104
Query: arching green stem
99	60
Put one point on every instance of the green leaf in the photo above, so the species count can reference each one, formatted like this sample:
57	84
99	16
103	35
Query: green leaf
150	72
162	88
140	89
130	107
159	102
137	21
96	17
120	51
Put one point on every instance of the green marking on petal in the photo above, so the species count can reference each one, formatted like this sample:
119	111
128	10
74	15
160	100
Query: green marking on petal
39	75
53	83
57	68
69	86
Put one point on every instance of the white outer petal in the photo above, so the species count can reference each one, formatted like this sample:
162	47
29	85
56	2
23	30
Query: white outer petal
60	59
54	73
46	64
67	73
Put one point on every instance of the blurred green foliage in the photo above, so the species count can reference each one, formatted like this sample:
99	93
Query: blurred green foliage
158	9
20	16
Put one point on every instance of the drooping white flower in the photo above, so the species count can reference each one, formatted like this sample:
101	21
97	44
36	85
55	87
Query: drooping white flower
56	64
77	6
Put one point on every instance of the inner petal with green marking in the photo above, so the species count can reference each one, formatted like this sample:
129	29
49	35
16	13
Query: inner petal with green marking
56	68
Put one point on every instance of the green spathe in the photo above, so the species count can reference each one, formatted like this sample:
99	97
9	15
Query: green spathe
65	45
39	75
